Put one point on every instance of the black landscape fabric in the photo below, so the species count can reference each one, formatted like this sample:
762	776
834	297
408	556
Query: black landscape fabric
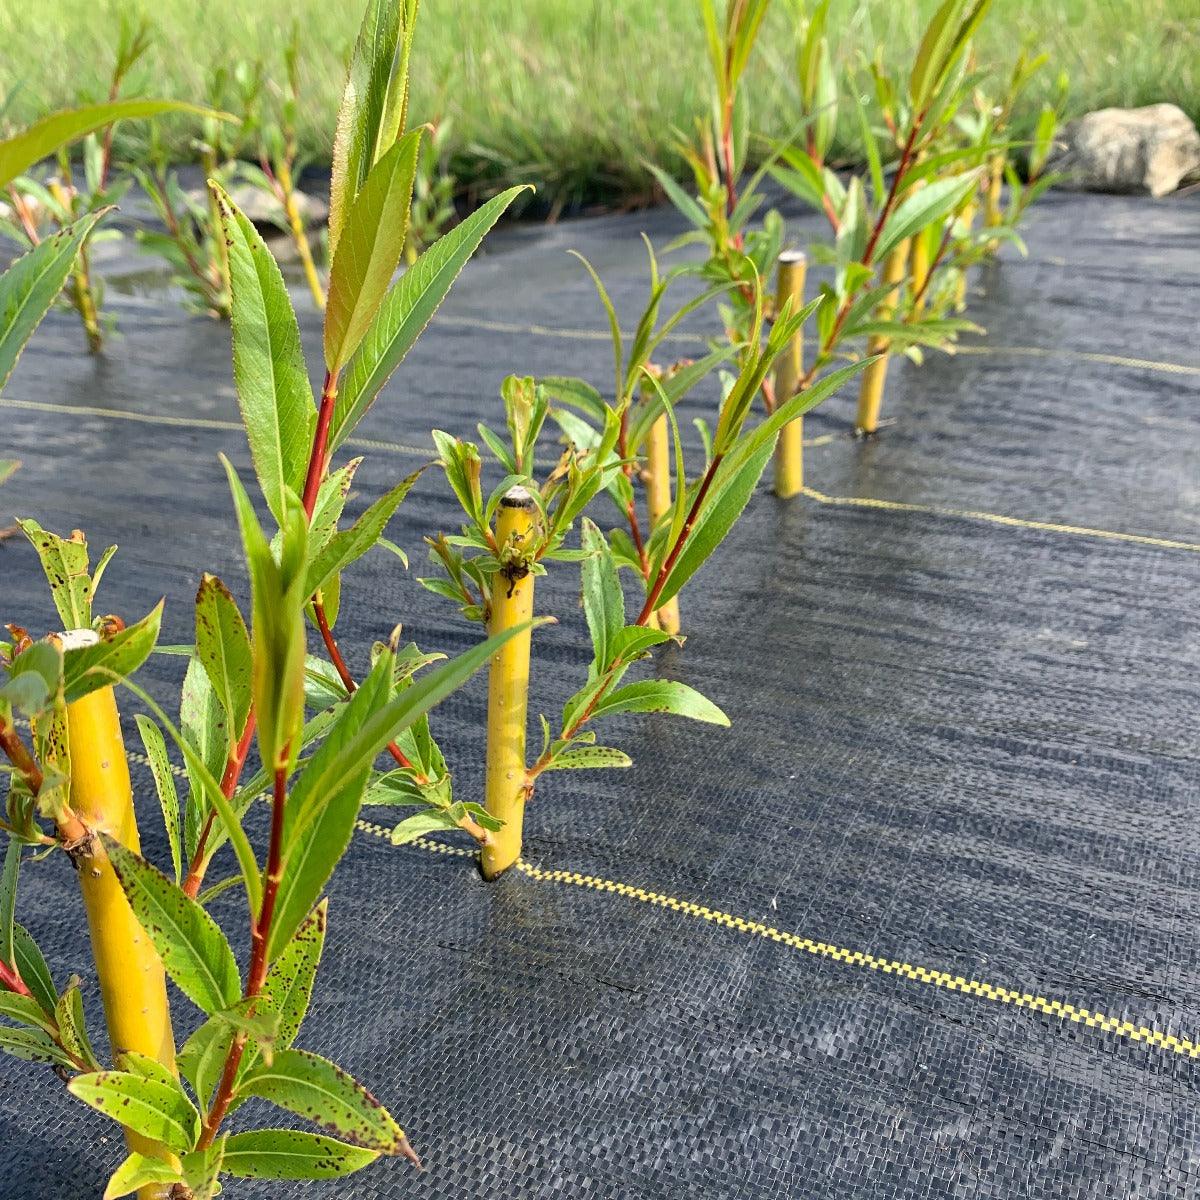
962	750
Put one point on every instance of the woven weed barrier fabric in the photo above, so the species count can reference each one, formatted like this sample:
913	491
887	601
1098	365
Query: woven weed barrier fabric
923	923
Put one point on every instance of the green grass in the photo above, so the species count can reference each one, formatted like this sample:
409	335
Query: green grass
569	94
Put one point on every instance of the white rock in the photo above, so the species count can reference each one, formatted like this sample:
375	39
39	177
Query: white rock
1151	149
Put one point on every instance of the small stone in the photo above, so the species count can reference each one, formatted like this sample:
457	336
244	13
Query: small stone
1136	150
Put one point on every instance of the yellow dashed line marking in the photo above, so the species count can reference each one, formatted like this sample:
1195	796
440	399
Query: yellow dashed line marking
966	514
1057	1009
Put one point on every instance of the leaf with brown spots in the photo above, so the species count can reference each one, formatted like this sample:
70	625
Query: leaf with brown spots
290	1154
313	1088
151	1107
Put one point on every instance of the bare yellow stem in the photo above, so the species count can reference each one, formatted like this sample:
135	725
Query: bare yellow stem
658	503
919	263
508	686
132	983
870	396
995	208
960	292
299	234
789	370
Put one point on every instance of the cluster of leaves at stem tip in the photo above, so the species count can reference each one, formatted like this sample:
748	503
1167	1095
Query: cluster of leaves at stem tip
319	731
246	140
935	143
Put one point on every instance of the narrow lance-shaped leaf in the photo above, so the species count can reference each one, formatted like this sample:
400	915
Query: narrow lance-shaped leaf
29	287
192	948
223	647
369	249
292	1154
150	1107
273	390
65	563
8	899
921	208
136	1171
360	119
344	547
660	695
313	1087
406	310
603	600
164	785
41	139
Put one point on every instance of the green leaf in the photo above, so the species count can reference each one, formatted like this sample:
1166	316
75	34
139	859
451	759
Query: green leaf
32	965
164	784
41	139
361	134
587	757
137	1171
33	1045
26	1010
268	362
406	310
202	1057
88	668
923	207
289	983
312	1087
603	600
686	204
150	1107
29	287
202	1169
192	948
33	679
660	695
203	725
730	493
72	1025
8	899
343	548
290	1154
8	466
331	802
223	646
65	563
369	249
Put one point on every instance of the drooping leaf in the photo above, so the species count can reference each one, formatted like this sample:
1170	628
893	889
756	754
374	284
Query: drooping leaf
164	784
369	249
406	311
223	646
192	947
150	1107
312	1087
273	390
43	138
30	286
291	1154
660	695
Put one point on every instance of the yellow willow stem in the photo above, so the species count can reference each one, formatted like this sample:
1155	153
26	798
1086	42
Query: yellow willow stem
658	503
82	295
284	174
960	288
995	208
789	370
132	983
508	686
919	263
870	396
